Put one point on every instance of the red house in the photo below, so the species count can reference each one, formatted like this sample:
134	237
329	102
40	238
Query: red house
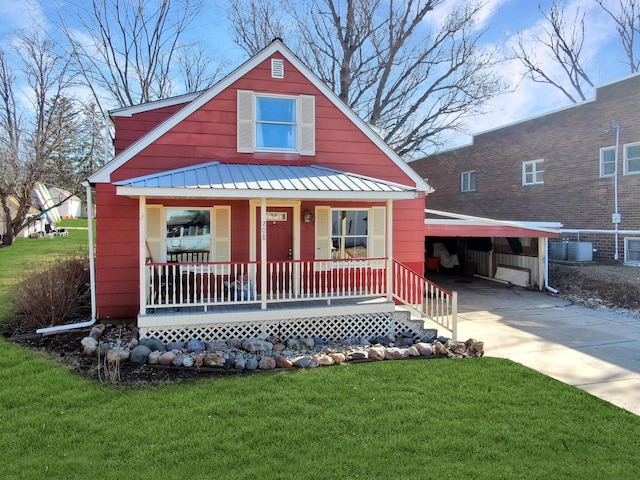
261	206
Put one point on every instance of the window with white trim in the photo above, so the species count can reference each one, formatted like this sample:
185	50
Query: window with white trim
468	181
632	251
632	158
276	123
343	233
533	172
188	234
607	161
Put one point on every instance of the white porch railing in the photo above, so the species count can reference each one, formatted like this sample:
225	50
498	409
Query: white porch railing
203	284
426	298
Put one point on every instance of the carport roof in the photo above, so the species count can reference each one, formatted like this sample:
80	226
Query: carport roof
458	225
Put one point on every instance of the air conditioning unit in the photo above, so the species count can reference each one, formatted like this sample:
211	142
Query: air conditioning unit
580	251
558	250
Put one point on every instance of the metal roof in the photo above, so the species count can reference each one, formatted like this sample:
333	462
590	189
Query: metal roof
235	180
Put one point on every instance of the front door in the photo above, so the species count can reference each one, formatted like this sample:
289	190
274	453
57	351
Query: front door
279	231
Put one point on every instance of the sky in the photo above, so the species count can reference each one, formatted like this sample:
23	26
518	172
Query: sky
502	19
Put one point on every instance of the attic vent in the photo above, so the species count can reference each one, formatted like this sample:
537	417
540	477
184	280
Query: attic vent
277	68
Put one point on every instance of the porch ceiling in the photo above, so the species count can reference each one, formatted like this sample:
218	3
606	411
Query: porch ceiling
231	180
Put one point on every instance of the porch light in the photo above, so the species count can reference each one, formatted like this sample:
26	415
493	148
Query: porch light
308	216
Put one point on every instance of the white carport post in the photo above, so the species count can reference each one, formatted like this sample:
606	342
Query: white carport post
543	272
389	250
263	253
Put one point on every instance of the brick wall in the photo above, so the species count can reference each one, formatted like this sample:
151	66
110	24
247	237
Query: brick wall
569	142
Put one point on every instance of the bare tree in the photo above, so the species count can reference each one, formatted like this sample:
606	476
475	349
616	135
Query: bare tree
562	43
255	23
129	48
28	140
409	76
627	20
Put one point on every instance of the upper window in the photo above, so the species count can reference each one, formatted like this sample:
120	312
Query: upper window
276	123
632	158
533	172
468	182
607	161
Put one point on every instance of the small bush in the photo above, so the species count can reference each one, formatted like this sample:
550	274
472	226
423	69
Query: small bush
53	295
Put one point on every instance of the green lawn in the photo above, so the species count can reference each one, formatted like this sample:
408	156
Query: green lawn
443	419
29	254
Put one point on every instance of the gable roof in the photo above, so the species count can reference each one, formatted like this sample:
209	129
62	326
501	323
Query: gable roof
240	180
104	174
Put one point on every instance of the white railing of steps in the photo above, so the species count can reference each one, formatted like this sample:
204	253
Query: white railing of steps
426	298
171	285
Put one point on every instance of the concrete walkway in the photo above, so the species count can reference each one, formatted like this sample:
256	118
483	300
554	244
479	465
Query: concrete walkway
596	351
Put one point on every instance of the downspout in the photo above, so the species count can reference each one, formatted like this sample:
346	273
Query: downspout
546	267
92	276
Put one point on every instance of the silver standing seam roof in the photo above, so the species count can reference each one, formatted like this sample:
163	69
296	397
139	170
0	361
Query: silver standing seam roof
257	180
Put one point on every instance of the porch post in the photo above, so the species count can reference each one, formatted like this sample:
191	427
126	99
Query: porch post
389	250
543	271
263	253
142	228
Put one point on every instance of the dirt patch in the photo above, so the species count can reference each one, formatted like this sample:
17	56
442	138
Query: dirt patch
610	286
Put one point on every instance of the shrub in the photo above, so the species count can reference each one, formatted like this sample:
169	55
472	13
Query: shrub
53	295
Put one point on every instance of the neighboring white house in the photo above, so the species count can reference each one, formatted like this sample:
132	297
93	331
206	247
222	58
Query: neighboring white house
69	208
33	228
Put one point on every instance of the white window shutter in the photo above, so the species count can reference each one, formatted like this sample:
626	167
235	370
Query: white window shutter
323	237
307	127
155	233
377	234
245	121
222	234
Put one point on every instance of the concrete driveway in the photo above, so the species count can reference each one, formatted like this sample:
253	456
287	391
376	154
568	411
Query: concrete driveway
595	351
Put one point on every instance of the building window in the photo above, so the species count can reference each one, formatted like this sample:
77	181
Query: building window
468	182
607	161
632	251
533	172
349	233
276	123
188	235
632	158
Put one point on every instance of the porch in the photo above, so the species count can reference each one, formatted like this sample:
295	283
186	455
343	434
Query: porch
329	297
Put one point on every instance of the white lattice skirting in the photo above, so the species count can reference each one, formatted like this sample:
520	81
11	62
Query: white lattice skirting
333	328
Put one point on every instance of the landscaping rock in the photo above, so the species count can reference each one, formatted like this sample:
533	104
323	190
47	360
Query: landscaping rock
395	353
338	357
234	343
213	360
267	363
301	362
177	360
216	346
251	364
166	358
240	362
96	331
154	357
377	352
140	354
153	343
89	346
174	346
195	345
413	351
118	354
357	356
283	362
324	360
254	345
425	349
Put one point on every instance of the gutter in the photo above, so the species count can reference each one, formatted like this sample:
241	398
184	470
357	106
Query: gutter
92	276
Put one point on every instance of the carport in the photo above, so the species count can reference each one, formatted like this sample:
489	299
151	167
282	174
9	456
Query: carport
512	252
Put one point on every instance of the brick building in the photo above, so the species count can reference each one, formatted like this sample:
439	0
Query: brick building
558	167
